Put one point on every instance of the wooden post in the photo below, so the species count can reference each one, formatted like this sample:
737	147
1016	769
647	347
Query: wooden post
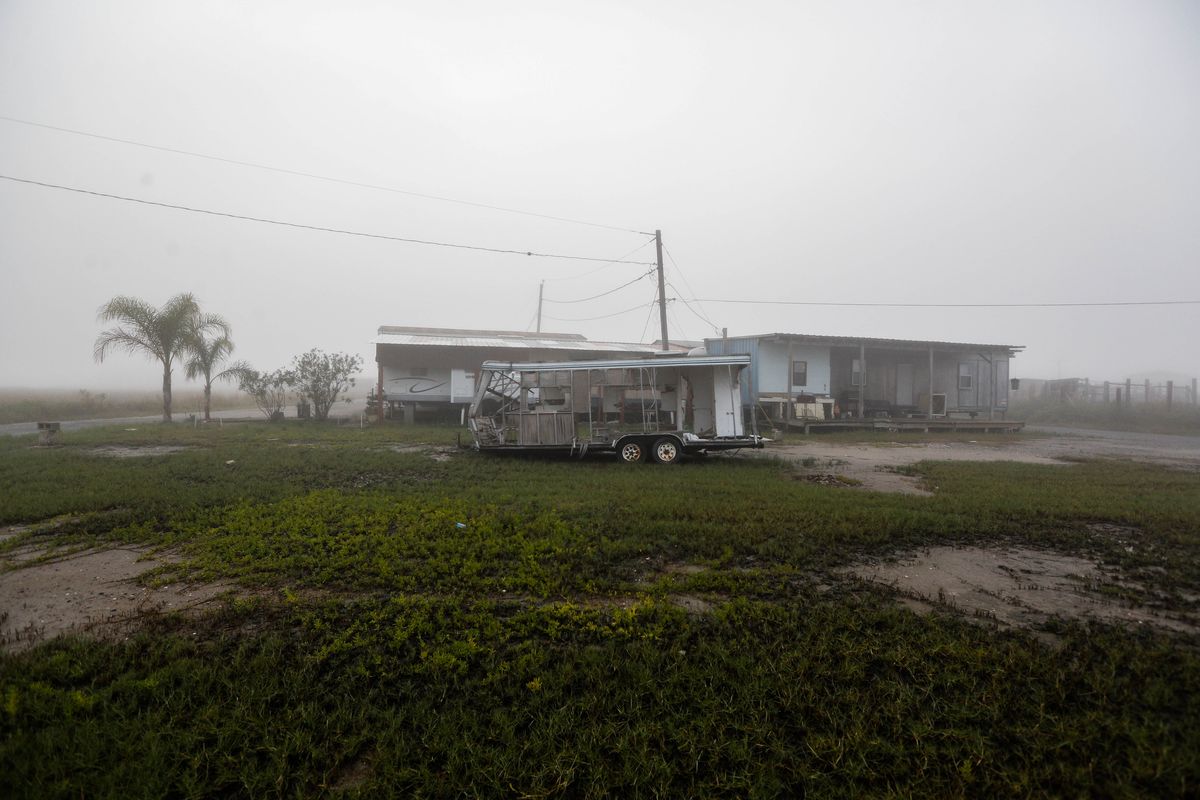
992	404
862	378
379	394
787	414
1128	392
541	286
1170	393
1106	398
930	382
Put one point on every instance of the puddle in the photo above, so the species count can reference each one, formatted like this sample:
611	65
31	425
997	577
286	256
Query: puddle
436	453
120	451
1017	587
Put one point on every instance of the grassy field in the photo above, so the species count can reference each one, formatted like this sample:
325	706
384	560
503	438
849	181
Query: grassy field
39	405
486	626
1183	419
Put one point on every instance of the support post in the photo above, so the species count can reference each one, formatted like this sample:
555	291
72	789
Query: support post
931	383
1128	392
1106	393
862	379
662	292
1170	393
787	414
992	405
379	394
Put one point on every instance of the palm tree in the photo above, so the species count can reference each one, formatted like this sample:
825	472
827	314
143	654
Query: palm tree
159	333
204	356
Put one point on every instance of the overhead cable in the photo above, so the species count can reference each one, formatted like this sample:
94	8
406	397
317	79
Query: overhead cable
602	294
318	227
590	319
617	260
952	305
649	316
698	315
312	175
686	283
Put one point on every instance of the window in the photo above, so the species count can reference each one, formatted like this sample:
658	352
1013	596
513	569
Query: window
966	374
856	373
799	373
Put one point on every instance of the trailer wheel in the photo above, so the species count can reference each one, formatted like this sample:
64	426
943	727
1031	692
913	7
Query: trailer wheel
666	451
632	452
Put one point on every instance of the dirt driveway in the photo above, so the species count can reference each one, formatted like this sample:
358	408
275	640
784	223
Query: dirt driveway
875	465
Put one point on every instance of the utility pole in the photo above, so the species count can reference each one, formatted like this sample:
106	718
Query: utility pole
662	292
541	286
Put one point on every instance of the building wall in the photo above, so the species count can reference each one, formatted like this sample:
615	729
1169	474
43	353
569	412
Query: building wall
428	384
772	368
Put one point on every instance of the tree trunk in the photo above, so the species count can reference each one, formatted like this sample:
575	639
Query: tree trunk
166	391
207	401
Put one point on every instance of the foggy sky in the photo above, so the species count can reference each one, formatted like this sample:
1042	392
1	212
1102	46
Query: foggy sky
951	152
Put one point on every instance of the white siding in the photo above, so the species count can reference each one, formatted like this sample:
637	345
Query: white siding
773	368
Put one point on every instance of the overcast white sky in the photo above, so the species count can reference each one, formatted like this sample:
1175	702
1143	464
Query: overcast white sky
954	152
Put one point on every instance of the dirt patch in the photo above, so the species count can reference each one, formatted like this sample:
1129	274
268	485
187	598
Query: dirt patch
883	465
1017	587
352	775
692	604
144	451
92	591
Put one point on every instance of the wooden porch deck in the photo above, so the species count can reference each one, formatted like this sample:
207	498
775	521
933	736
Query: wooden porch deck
900	424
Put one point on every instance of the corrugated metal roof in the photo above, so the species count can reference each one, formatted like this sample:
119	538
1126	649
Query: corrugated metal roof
494	340
621	363
874	342
468	332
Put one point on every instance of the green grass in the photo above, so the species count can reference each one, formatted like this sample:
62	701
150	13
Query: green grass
505	626
27	405
1182	420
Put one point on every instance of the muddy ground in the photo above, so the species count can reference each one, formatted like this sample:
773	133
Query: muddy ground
98	591
92	591
874	466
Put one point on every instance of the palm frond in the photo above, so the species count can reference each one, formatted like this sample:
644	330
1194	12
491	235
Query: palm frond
122	339
235	371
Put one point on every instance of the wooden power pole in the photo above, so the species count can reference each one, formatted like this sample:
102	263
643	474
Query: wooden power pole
541	286
662	292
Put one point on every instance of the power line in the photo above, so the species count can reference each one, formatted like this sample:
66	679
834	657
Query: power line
700	316
617	260
602	294
675	321
590	319
952	305
312	175
649	316
318	227
688	284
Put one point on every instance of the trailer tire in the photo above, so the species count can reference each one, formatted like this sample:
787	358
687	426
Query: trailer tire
667	451
632	451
